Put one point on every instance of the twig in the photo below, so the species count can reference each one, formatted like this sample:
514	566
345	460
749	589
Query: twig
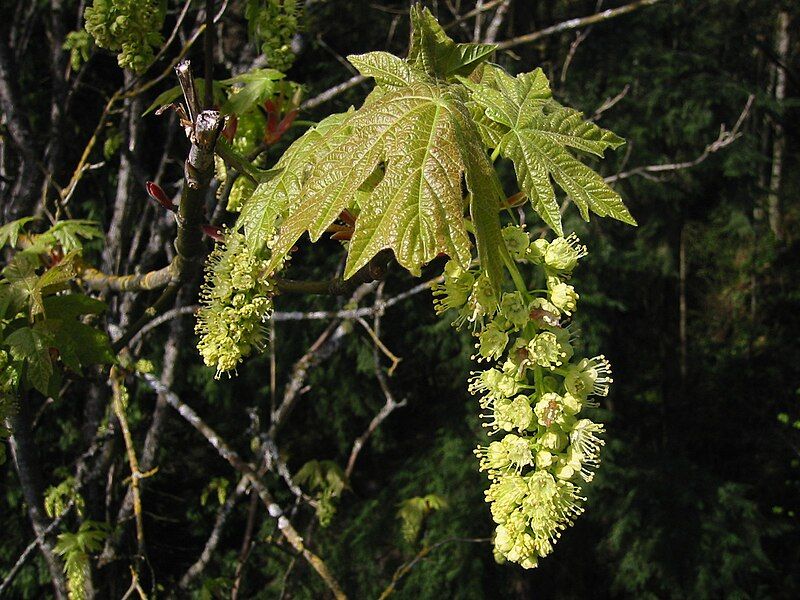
404	569
119	410
274	510
208	52
724	139
216	533
314	315
497	21
610	102
12	573
476	29
380	345
605	15
320	349
475	11
331	93
573	48
244	552
389	406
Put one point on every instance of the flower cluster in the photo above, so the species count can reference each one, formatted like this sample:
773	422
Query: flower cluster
274	23
237	298
532	394
130	27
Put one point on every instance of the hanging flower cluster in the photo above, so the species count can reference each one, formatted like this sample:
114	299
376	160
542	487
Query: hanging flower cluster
533	394
237	299
132	28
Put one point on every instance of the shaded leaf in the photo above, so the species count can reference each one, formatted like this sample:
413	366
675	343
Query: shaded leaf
9	233
30	346
258	86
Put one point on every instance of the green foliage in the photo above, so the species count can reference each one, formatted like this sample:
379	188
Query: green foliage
325	479
75	549
79	45
57	498
531	129
402	164
40	326
256	86
132	28
399	160
413	512
218	486
10	232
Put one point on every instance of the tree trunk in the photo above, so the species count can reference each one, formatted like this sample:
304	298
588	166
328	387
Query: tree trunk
778	137
26	461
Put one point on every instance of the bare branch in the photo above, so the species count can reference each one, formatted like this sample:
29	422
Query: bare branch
96	280
213	539
608	103
389	406
404	569
724	139
331	93
475	11
23	451
275	511
118	403
497	21
605	15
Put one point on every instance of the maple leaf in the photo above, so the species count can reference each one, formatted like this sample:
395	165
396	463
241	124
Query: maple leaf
272	198
433	52
526	126
418	134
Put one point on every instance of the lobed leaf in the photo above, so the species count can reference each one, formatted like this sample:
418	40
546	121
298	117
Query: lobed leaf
433	52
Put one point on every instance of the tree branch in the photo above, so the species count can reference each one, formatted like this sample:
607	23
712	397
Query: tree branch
605	15
724	139
404	569
374	270
387	409
23	450
118	404
332	92
198	170
275	511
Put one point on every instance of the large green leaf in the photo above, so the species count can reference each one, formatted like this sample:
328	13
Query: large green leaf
533	178
79	345
9	233
21	274
417	208
72	306
71	233
510	101
585	187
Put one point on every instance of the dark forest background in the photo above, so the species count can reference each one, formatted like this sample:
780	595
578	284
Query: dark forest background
698	309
